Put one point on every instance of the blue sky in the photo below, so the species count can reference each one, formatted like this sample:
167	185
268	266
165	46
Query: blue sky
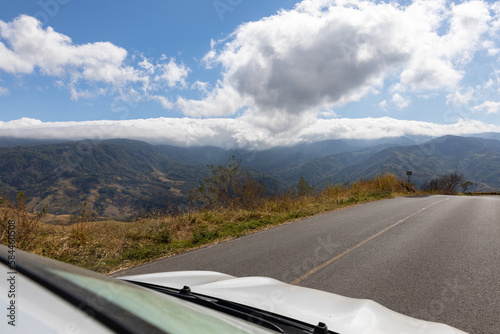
253	74
179	29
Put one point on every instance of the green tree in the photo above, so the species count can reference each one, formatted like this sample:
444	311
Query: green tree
229	186
466	185
304	188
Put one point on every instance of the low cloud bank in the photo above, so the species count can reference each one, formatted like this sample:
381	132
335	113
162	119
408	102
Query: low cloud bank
233	133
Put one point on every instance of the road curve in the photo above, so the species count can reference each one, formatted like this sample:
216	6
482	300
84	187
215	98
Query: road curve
434	258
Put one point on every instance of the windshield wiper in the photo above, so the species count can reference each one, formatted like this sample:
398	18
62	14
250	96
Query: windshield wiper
256	316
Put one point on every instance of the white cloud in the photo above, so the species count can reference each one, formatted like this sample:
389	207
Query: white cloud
491	47
26	47
468	23
163	73
54	54
164	102
478	98
400	101
369	128
4	91
233	133
173	73
327	53
458	98
303	59
78	94
279	74
328	113
11	62
490	107
222	101
431	74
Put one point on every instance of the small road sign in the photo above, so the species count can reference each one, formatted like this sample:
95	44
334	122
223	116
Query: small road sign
409	173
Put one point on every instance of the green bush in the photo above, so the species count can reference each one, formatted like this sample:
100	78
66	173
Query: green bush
142	252
203	236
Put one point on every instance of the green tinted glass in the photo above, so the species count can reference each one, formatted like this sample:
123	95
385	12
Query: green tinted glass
164	312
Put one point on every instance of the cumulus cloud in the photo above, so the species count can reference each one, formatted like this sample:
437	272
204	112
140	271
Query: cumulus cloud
477	99
173	73
26	47
221	101
469	21
460	98
490	107
31	46
400	101
282	77
163	74
305	59
326	53
233	133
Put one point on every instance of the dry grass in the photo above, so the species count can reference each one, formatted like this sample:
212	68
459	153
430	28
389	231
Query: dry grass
107	246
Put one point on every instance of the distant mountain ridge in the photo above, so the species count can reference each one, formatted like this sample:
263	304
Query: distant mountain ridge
477	158
115	177
277	156
121	177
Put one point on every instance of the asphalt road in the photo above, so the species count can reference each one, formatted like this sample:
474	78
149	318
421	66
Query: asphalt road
435	258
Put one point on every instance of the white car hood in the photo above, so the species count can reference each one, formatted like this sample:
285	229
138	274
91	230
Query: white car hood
341	314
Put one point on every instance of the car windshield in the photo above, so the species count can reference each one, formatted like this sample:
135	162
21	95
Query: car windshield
167	313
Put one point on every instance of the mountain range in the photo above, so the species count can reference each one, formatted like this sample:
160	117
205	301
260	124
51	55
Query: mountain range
123	178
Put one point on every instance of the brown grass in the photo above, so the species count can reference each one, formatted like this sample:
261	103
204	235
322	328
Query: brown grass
107	246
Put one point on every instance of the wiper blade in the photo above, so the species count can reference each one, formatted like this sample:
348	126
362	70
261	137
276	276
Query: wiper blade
212	303
256	316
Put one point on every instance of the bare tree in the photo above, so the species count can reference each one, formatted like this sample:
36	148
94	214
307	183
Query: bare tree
450	182
446	184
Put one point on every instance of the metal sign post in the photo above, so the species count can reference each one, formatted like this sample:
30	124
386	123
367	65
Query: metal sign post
409	173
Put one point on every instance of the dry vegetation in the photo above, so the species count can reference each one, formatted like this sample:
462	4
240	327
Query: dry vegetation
107	246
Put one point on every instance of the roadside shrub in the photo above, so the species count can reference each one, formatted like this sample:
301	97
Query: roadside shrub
142	252
26	223
446	184
304	188
163	237
105	246
203	235
80	223
379	187
229	186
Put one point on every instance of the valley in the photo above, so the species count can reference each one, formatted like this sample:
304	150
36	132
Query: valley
122	178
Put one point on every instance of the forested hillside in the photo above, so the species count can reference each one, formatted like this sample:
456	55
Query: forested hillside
122	178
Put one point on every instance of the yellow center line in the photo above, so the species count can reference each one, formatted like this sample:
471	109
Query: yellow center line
324	264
